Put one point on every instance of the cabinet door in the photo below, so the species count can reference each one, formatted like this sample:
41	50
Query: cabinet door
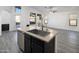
27	43
37	46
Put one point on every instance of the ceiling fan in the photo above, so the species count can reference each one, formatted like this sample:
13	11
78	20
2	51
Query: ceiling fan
51	9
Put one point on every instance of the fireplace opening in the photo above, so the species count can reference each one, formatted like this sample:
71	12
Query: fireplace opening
5	27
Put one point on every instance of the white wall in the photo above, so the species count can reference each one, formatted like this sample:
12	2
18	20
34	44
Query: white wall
61	20
25	16
8	16
12	20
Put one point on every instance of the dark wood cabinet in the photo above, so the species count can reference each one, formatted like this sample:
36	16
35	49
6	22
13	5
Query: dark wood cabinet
35	45
27	43
36	48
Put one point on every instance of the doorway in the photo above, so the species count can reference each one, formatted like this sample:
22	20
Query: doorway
18	17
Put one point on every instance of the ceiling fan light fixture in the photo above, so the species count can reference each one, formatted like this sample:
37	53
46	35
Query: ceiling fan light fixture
51	9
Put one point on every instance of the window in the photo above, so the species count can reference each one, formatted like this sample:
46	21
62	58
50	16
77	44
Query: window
17	19
18	16
18	9
73	20
32	18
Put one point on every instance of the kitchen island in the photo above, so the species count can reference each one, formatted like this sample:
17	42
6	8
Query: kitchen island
31	42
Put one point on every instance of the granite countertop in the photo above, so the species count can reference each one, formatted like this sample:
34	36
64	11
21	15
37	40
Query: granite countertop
45	38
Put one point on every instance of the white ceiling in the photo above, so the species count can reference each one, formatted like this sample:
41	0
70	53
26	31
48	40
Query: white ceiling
57	8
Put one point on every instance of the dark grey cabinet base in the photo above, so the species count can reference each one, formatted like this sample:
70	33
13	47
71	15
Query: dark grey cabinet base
35	45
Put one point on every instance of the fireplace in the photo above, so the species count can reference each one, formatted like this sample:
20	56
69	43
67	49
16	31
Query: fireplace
5	27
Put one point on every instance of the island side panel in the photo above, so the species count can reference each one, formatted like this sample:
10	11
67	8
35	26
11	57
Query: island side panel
21	40
50	46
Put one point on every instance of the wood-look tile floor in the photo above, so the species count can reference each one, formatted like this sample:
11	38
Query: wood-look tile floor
8	42
66	42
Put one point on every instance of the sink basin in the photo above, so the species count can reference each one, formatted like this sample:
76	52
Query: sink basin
39	32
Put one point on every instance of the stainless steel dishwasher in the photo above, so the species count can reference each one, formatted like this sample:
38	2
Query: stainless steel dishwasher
21	40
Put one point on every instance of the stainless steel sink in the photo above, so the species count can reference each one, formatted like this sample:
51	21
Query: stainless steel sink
39	32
